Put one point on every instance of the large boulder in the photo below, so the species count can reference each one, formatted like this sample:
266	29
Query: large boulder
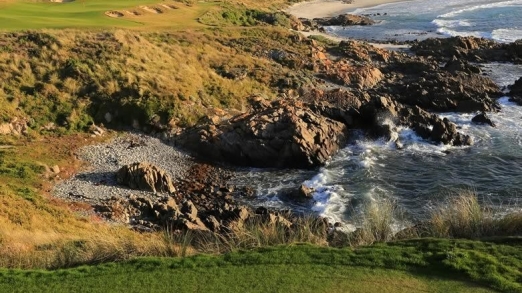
145	176
483	118
286	134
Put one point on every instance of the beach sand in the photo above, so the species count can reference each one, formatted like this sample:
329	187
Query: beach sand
327	8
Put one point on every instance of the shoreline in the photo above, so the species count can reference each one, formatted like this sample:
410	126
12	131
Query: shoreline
329	8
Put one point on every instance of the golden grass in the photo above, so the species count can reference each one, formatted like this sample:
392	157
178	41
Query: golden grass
39	231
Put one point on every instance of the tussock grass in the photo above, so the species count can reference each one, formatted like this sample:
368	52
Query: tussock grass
256	232
172	78
462	216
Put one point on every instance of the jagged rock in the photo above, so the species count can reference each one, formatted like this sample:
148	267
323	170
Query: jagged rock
455	65
443	92
96	130
516	92
363	52
302	193
145	176
55	169
359	76
460	47
470	48
17	127
285	135
345	20
483	118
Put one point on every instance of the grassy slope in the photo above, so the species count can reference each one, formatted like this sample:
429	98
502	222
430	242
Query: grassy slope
36	231
79	74
412	266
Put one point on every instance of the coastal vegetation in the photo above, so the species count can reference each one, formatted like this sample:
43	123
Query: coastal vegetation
431	265
155	66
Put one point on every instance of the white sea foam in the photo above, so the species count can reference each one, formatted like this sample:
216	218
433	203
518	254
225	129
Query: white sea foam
506	35
451	23
513	3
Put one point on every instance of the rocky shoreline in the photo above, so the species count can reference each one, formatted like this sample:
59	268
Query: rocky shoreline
375	90
200	198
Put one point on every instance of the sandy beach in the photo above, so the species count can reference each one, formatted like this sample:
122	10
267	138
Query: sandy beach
327	8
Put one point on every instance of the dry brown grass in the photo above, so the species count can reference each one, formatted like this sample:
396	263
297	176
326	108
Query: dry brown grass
463	216
38	231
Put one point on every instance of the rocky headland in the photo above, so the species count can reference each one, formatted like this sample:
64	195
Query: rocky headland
149	183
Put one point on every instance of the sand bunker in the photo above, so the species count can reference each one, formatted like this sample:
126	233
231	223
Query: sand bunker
133	12
169	6
114	13
153	9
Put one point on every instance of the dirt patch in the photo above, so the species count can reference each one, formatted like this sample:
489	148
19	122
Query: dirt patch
114	13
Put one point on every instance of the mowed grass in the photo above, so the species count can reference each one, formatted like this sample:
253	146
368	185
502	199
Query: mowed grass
428	265
22	15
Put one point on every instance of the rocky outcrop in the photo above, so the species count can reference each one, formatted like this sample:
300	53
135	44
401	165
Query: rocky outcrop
455	65
382	114
16	127
516	92
362	52
470	48
145	176
346	74
345	20
286	134
203	204
443	92
483	118
301	193
460	47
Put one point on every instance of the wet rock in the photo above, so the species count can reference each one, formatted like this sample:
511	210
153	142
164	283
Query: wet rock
483	118
302	193
145	176
516	92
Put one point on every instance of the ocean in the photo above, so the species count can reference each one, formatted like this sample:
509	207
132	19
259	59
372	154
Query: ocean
420	19
422	175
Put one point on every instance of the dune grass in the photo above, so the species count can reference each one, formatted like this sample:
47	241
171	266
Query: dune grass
412	266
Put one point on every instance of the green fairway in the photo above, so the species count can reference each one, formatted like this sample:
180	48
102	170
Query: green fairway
19	15
410	266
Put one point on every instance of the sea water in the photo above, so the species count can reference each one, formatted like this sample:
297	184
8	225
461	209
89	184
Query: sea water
420	19
421	175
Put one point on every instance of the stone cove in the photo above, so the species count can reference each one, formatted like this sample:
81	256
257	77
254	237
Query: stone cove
412	128
260	146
